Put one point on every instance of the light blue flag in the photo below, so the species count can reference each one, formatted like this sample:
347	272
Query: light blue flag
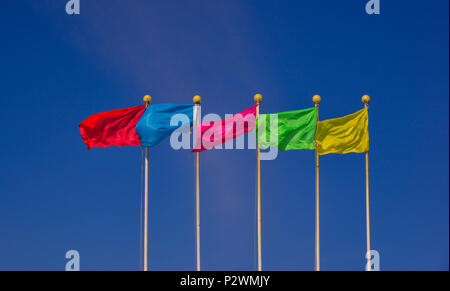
154	125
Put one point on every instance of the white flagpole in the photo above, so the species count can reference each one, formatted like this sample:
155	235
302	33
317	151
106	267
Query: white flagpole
317	99
147	101
366	100
197	100
258	99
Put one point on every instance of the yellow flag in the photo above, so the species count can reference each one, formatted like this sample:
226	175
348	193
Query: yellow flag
348	134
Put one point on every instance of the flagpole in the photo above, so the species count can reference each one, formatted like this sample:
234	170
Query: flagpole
317	99
366	100
197	100
258	99
147	101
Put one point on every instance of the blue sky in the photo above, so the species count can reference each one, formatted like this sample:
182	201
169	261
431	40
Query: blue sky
59	69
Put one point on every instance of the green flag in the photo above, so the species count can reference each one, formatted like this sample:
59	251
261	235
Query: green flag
289	130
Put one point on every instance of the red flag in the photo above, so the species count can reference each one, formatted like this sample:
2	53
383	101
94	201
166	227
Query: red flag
116	127
211	134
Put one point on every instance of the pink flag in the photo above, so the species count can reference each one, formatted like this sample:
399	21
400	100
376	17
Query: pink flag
211	134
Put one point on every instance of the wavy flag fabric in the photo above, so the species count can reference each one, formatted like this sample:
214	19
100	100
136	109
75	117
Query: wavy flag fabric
136	126
295	130
155	125
348	134
211	134
115	127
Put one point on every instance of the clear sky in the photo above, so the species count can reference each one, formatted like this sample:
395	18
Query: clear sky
57	69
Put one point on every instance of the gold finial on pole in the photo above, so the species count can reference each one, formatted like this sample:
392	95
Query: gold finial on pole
317	99
147	99
258	98
365	99
197	99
